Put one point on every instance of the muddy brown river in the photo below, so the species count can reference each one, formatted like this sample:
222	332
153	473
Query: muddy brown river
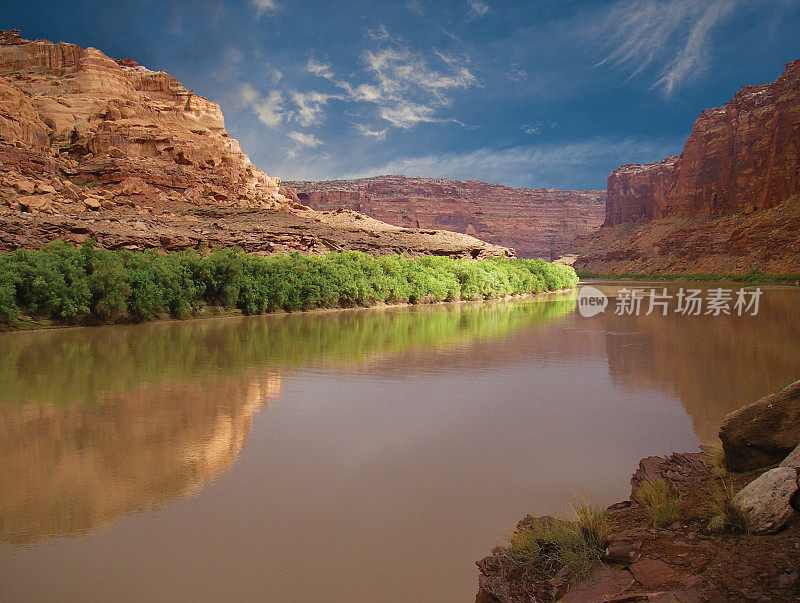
359	455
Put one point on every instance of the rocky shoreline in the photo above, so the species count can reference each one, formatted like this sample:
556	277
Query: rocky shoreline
691	558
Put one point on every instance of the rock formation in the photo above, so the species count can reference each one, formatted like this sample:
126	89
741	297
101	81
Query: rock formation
729	203
111	149
539	223
763	433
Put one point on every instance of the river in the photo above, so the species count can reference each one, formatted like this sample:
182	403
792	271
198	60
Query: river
358	455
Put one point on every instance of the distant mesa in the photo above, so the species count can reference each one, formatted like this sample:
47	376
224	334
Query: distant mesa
536	223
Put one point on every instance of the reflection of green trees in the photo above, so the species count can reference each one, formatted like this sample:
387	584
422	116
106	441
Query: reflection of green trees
84	364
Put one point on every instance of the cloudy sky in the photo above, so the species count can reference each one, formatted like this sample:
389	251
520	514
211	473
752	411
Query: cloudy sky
527	93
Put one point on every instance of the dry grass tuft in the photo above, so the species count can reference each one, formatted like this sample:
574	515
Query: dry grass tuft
660	500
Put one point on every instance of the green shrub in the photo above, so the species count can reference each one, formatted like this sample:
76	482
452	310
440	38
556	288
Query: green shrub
64	283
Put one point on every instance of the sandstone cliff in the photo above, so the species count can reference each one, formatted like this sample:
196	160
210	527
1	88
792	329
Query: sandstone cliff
90	146
728	203
539	222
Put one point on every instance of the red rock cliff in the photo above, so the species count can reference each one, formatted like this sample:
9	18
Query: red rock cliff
743	156
90	146
539	222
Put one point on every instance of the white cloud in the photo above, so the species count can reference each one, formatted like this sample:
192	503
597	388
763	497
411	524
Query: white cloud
248	94
305	140
673	35
309	105
267	109
405	89
264	6
379	33
477	8
319	69
407	115
365	130
692	57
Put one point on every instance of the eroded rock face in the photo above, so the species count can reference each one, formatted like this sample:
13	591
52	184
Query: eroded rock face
764	432
539	223
105	146
720	205
743	156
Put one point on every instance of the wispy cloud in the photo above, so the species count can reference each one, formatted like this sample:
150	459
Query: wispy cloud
692	57
319	69
404	87
565	165
516	73
365	130
672	35
407	115
378	33
477	8
309	107
264	6
268	109
306	140
414	6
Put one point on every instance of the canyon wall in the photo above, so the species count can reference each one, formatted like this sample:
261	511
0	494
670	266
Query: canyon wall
91	146
728	202
539	223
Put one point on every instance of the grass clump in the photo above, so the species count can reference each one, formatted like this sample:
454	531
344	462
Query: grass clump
65	283
722	514
660	499
547	547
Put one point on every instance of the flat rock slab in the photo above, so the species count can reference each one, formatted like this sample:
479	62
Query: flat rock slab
766	501
603	584
653	574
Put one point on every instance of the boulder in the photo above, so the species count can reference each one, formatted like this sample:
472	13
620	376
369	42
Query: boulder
793	460
764	432
765	501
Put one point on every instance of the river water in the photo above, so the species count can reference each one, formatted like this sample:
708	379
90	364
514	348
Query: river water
360	455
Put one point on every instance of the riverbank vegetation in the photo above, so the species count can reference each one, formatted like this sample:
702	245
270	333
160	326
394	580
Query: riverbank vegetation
72	285
753	277
543	548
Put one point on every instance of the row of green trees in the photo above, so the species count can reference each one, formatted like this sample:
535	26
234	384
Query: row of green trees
66	283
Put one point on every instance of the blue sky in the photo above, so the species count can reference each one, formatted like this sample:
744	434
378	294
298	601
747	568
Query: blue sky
539	93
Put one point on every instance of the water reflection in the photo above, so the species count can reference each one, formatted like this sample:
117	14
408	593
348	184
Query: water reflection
98	423
71	468
713	364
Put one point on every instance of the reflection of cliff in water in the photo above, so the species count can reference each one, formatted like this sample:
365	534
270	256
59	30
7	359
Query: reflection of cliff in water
99	423
714	364
70	469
